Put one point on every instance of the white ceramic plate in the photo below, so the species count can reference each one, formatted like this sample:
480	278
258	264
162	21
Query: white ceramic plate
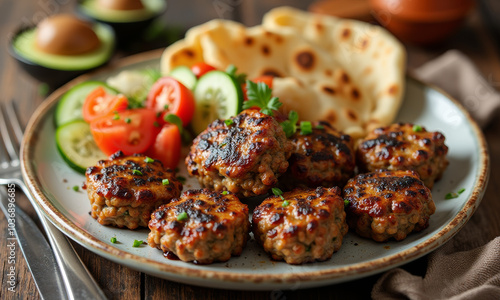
51	182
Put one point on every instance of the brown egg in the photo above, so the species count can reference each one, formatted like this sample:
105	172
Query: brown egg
121	4
66	35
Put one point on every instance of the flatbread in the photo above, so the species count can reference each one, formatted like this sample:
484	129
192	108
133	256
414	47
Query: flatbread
346	72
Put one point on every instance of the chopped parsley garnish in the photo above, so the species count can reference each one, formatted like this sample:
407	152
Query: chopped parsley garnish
222	145
156	124
128	120
305	128
137	243
228	122
149	160
278	192
165	107
126	213
113	240
240	78
290	126
346	203
158	114
174	119
454	195
76	188
181	179
116	116
319	126
165	182
259	94
137	172
417	128
225	193
285	203
182	216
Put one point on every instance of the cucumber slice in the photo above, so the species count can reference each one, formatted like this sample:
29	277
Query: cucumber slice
69	107
218	96
185	76
76	145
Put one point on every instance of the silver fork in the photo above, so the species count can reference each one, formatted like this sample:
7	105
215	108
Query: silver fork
78	282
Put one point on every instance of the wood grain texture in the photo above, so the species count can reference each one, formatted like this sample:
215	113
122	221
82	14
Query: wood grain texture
119	282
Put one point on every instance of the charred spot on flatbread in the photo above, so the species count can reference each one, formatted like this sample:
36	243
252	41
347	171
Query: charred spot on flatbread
265	50
393	89
329	90
271	72
249	41
351	115
356	94
346	33
331	116
328	72
305	59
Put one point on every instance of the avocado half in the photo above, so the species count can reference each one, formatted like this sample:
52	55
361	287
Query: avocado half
57	69
127	24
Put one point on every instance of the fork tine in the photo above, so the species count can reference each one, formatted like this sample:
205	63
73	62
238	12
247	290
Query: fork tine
14	120
9	146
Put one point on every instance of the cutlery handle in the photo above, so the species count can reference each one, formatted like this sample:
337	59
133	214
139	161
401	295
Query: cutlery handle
36	250
78	281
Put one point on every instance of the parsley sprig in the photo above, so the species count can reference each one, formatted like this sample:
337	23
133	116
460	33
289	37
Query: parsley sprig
240	78
259	94
290	126
174	119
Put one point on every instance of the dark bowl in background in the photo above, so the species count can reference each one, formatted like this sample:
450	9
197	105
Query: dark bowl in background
126	32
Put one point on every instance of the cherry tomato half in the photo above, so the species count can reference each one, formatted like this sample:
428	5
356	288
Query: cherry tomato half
98	104
199	69
169	96
131	131
167	146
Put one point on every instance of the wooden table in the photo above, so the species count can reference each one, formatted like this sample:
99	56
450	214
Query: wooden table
119	282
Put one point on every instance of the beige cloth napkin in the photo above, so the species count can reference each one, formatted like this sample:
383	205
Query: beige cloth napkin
456	74
453	273
473	274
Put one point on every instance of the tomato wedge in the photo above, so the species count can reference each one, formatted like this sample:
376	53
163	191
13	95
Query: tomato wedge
131	131
169	96
267	79
167	146
98	104
199	69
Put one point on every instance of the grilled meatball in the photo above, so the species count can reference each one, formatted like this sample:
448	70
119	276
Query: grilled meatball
323	158
245	156
202	226
388	204
308	225
124	190
404	147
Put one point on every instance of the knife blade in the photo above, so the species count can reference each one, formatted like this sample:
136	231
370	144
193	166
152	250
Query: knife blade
35	248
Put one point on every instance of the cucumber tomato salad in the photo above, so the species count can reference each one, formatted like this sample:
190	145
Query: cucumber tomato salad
139	111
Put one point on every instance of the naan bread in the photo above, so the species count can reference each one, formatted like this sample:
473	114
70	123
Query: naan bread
346	72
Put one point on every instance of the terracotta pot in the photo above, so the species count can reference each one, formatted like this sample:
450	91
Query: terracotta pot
421	21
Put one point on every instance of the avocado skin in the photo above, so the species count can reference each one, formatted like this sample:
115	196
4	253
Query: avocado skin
52	77
126	32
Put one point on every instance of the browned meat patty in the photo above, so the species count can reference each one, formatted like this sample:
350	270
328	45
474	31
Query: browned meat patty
403	147
308	225
245	157
124	190
388	204
202	226
323	158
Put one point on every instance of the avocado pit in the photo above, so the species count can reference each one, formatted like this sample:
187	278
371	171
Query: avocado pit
66	35
121	4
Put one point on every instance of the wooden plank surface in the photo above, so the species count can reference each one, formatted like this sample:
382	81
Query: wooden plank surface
119	282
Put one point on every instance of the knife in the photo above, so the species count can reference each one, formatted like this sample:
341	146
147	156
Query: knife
36	251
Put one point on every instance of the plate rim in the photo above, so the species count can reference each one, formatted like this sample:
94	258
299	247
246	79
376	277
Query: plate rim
326	276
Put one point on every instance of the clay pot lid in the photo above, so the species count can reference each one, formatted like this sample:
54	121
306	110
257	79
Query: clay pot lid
350	9
424	10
